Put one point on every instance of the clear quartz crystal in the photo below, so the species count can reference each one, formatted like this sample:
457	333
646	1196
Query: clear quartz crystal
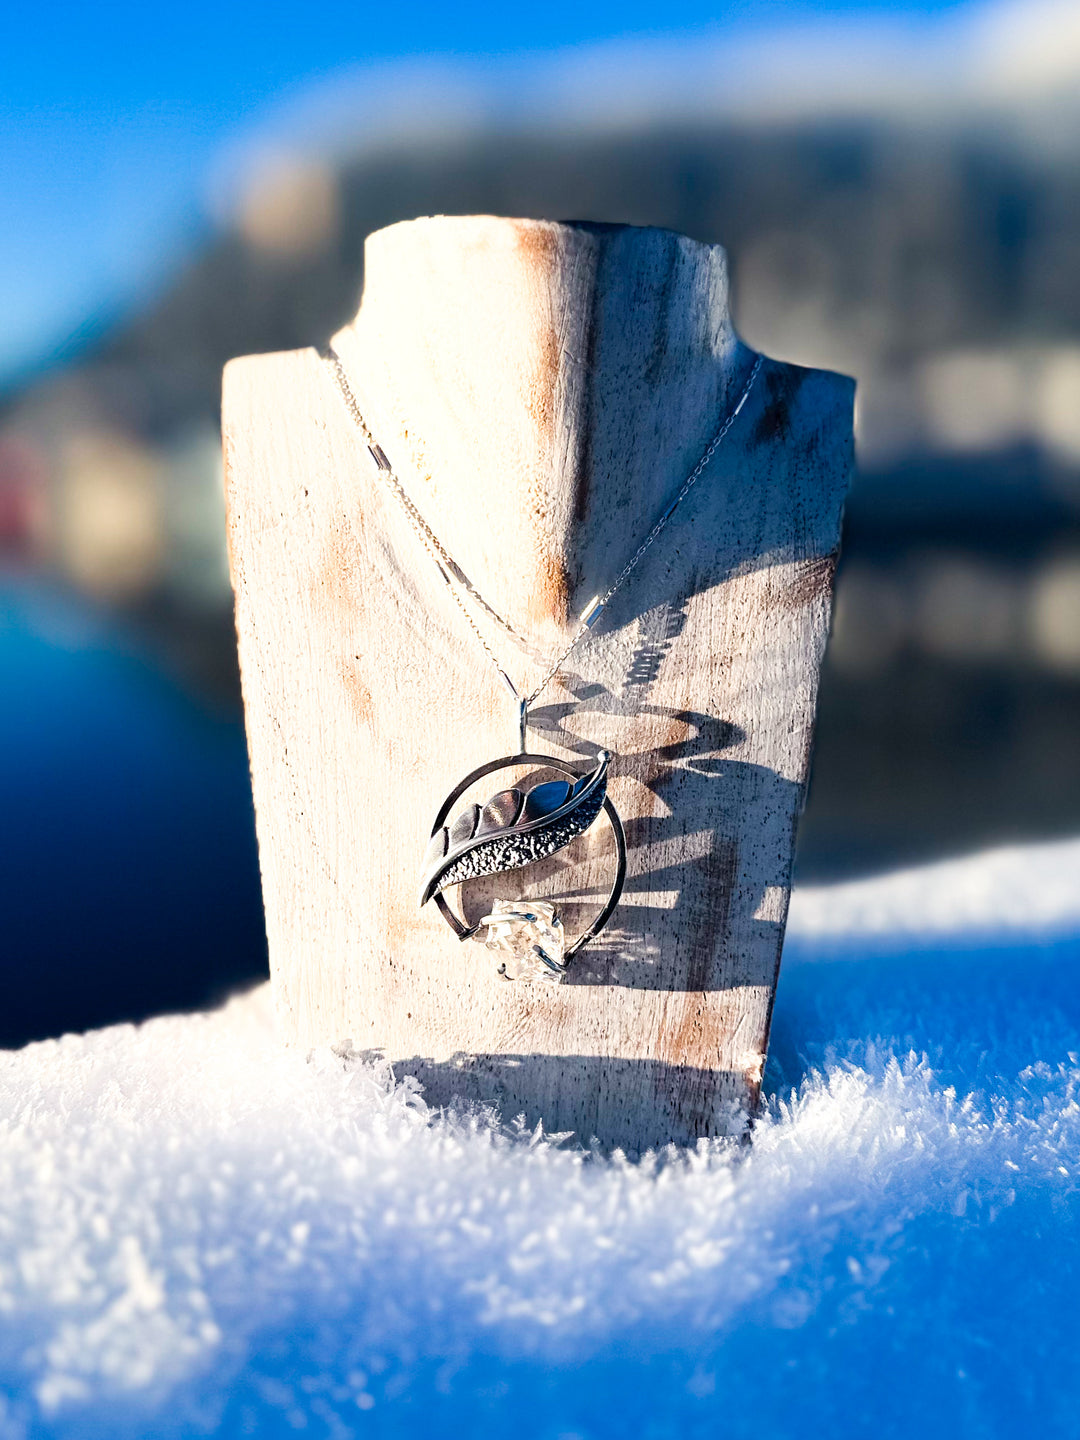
522	933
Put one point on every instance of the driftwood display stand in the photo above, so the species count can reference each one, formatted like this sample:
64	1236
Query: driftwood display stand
542	390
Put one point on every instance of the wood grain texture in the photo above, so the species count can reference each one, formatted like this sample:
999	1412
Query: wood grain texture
542	391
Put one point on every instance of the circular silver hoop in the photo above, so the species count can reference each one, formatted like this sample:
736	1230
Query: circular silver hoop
547	762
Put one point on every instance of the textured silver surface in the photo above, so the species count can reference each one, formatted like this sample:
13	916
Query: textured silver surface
516	827
510	851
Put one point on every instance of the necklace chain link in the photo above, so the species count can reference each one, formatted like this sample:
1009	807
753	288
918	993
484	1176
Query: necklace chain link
455	577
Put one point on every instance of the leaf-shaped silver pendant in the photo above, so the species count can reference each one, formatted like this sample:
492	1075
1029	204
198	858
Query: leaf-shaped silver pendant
516	827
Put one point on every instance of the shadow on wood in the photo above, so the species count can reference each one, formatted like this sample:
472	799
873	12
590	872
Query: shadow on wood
673	1104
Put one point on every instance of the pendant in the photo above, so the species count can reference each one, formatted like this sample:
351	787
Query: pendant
515	828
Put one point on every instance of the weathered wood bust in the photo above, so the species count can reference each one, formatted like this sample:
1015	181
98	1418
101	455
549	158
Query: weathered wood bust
542	390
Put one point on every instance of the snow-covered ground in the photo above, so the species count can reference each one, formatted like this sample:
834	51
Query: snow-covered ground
202	1233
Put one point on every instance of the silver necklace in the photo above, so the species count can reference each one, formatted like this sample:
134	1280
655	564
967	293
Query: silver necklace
528	822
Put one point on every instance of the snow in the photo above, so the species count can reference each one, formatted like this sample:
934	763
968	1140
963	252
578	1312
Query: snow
201	1232
1017	890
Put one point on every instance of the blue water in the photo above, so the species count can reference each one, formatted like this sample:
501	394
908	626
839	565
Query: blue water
128	869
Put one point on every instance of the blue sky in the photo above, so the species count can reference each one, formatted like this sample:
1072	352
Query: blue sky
111	116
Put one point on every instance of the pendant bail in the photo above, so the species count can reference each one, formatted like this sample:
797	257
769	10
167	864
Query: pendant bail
523	724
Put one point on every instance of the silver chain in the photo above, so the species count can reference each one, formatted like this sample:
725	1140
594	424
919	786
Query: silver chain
456	577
